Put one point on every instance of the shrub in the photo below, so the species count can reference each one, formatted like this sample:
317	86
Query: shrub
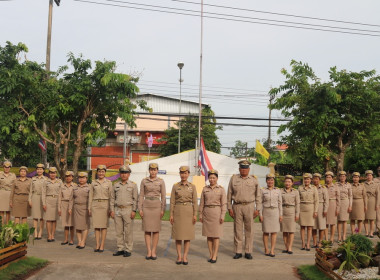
362	244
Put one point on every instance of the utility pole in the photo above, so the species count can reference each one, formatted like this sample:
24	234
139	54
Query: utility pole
200	91
270	123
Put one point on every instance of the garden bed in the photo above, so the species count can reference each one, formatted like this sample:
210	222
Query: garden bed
12	254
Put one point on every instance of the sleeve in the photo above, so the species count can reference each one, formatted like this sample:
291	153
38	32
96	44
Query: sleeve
298	205
258	199
60	198
90	196
135	198
229	194
337	197
280	203
378	195
195	201
31	191
172	201
141	195
365	197
71	199
12	193
316	200
223	204
112	199
163	195
261	204
327	201
350	195
201	204
43	195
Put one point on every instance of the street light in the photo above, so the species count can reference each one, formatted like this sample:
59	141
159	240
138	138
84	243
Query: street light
180	66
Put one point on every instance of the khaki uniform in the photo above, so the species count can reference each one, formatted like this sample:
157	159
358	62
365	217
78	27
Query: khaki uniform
334	204
323	198
244	193
290	209
7	182
212	208
359	202
99	202
271	209
79	204
377	181
65	202
183	207
19	198
345	201
124	199
152	200
309	204
38	183
50	198
373	197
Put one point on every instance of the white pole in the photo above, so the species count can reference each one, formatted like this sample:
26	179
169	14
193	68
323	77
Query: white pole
200	90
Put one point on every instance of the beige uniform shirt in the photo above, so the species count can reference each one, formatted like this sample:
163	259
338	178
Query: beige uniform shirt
21	187
291	198
243	190
373	189
213	197
359	192
38	183
334	193
184	192
80	195
100	190
124	194
52	188
153	188
271	198
7	182
309	195
323	197
66	194
345	192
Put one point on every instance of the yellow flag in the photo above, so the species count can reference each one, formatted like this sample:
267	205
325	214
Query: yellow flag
261	150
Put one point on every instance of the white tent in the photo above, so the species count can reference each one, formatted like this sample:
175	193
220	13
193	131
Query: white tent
169	168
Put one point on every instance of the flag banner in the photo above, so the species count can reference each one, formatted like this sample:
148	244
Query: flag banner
204	162
42	144
261	150
150	141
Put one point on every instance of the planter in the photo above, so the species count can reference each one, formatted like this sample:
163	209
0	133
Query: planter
12	254
325	266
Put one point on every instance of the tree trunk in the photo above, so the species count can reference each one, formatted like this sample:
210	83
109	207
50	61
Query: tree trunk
340	160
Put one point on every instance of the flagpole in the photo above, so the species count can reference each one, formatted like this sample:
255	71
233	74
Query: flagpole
200	89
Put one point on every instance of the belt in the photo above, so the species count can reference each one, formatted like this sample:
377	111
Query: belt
52	195
183	203
21	193
332	199
152	198
358	198
83	203
100	200
243	203
344	199
122	207
307	202
36	193
271	207
212	206
287	206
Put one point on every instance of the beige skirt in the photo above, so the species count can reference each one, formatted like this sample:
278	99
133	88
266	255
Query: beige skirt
288	219
100	213
306	214
36	206
183	227
331	218
21	207
371	209
152	215
357	210
81	217
66	219
271	222
51	213
320	221
211	226
343	216
5	197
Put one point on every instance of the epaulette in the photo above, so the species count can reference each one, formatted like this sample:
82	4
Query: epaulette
255	176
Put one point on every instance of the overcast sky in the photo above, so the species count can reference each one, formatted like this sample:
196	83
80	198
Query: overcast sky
241	60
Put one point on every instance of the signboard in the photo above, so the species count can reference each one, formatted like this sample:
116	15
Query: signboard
130	139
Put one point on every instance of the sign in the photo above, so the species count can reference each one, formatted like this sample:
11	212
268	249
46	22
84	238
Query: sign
161	171
130	139
156	139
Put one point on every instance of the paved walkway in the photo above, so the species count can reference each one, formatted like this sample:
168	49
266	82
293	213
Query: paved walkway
71	263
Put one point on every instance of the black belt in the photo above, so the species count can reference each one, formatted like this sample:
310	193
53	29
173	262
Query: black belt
243	203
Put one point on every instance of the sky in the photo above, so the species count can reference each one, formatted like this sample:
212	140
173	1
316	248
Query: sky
241	60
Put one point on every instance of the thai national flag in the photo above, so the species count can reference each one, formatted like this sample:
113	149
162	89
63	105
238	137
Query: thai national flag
42	144
204	162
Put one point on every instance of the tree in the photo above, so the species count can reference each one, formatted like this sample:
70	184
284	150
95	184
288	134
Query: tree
189	133
78	107
326	117
241	150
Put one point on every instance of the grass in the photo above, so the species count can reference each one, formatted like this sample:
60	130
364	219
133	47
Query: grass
311	272
22	268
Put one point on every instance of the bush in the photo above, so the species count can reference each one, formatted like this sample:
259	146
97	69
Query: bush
362	244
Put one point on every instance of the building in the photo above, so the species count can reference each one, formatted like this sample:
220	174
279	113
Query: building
147	124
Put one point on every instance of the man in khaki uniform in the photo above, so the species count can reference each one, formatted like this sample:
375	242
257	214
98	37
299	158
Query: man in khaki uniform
377	180
320	221
243	204
7	181
123	205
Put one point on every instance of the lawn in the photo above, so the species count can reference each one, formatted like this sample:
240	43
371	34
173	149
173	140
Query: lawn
311	272
22	268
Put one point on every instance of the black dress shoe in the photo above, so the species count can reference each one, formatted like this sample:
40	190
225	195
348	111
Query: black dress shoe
178	262
127	254
314	246
48	240
272	255
64	243
52	240
248	256
118	253
147	258
290	252
267	254
209	260
153	258
307	249
71	244
185	263
303	248
96	250
77	246
100	251
81	247
238	256
213	261
285	251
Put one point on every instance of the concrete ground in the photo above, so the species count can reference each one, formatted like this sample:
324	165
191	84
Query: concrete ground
67	262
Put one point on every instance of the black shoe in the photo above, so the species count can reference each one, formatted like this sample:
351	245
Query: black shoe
64	243
48	240
147	258
248	256
272	255
213	261
52	240
303	248
266	254
153	258
238	256
71	244
81	247
307	249
96	250
314	246
371	236
185	263
77	246
127	254
285	251
178	262
290	252
209	260
118	253
100	251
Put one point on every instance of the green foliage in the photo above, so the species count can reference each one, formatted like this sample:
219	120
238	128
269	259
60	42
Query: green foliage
241	150
362	243
349	256
12	233
21	268
377	248
189	133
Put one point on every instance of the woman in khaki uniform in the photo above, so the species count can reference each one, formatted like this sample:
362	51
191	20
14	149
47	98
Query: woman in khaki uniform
50	202
345	205
320	220
20	196
308	209
7	181
359	203
373	196
99	206
35	201
64	199
291	213
79	205
270	214
152	203
212	210
334	204
183	214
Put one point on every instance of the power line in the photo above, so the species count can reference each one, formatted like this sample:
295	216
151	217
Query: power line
229	19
